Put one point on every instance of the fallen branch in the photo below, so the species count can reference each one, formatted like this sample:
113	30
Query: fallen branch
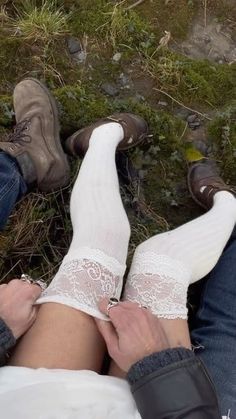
181	104
135	4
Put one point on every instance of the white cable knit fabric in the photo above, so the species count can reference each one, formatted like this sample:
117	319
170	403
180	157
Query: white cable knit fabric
96	260
159	283
165	265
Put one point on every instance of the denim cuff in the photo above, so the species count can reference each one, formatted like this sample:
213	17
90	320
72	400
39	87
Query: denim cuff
7	339
157	361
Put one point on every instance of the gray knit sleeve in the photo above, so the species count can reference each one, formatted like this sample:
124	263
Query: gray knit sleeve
156	361
7	339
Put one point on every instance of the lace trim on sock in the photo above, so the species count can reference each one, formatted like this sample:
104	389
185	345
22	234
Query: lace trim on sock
96	255
159	283
82	282
152	263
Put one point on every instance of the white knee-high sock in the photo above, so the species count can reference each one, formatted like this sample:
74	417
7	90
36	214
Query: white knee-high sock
95	263
97	213
165	265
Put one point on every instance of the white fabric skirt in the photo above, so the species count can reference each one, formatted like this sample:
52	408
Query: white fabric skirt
62	394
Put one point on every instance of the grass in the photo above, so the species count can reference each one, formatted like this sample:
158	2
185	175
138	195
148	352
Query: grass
43	23
192	81
125	27
37	237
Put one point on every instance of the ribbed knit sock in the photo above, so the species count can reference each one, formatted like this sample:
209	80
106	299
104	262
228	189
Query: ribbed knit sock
165	265
96	260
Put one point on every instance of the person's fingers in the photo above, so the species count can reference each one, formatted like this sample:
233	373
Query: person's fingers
16	283
109	335
103	304
31	292
33	315
122	314
130	305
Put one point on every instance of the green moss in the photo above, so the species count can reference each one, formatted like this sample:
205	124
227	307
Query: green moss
193	81
174	17
6	111
79	108
111	23
223	9
221	80
88	16
222	131
9	54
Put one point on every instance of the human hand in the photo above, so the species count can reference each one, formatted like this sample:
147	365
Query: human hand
133	333
17	299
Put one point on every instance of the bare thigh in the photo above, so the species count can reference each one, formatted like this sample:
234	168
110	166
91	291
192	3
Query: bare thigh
61	337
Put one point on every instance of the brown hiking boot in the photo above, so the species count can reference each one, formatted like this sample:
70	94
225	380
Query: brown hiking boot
204	181
35	142
135	131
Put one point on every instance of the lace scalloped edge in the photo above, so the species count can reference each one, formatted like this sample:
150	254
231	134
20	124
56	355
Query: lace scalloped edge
88	253
151	262
182	316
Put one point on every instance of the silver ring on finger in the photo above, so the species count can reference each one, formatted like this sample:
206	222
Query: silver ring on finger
41	284
29	280
112	303
141	306
26	278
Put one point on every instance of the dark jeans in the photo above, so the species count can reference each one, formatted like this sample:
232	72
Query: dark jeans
215	328
12	186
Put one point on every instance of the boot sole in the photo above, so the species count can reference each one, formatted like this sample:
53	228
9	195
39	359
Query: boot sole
65	179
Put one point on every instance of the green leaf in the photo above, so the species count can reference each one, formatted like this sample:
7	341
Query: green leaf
192	154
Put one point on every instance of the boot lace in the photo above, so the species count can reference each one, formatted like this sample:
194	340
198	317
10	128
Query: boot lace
20	134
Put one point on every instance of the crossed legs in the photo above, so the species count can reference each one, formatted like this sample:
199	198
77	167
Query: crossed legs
64	334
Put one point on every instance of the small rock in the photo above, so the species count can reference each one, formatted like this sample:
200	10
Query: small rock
182	113
116	57
194	125
123	80
201	146
110	89
193	121
218	28
138	98
192	118
80	57
215	56
162	103
206	38
173	203
74	45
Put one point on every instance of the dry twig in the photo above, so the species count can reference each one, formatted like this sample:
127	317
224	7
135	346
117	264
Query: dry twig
181	104
137	3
